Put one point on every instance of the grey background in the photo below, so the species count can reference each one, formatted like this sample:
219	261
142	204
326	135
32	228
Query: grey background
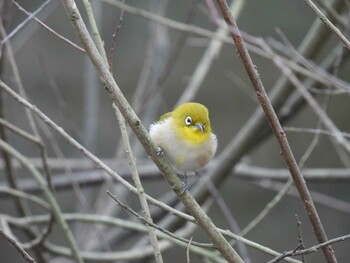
38	52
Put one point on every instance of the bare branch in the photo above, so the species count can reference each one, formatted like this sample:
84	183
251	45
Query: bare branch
14	243
325	20
150	223
276	127
161	161
30	16
139	186
310	250
24	23
53	202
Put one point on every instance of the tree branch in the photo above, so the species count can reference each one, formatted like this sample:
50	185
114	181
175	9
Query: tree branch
17	246
56	210
277	129
329	24
161	161
310	250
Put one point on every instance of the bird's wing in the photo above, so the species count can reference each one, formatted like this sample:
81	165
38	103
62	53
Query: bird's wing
165	116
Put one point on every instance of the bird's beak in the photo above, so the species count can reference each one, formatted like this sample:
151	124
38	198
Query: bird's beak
200	127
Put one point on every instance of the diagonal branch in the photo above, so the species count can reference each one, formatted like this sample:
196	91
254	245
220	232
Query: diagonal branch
328	23
130	116
14	243
139	186
47	27
277	129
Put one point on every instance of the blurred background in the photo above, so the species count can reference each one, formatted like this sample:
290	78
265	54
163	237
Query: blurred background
155	63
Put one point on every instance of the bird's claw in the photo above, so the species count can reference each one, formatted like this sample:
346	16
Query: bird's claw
159	151
184	178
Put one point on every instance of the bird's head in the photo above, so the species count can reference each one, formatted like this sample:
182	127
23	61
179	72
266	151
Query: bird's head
191	121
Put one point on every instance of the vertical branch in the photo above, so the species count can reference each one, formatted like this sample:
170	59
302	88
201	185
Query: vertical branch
9	173
114	38
138	185
91	81
276	127
300	237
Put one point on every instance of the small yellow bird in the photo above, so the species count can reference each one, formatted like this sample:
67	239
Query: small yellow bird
185	136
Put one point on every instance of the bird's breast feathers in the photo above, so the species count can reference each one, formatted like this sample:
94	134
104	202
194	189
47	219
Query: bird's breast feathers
187	150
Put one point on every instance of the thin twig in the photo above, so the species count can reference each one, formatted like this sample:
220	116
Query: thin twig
325	20
322	199
14	243
316	131
30	16
138	184
300	237
19	131
333	14
40	237
24	23
310	250
150	223
310	65
114	38
21	194
188	260
95	31
229	217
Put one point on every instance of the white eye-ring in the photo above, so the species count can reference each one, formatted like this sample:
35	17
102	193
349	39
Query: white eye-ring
188	120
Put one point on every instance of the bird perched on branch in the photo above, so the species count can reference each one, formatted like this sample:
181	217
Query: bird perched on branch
185	137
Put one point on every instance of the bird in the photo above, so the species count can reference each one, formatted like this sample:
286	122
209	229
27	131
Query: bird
185	136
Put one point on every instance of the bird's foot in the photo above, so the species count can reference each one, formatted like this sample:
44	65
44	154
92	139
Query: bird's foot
159	151
183	178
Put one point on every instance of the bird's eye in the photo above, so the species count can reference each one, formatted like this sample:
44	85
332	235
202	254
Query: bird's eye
188	120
